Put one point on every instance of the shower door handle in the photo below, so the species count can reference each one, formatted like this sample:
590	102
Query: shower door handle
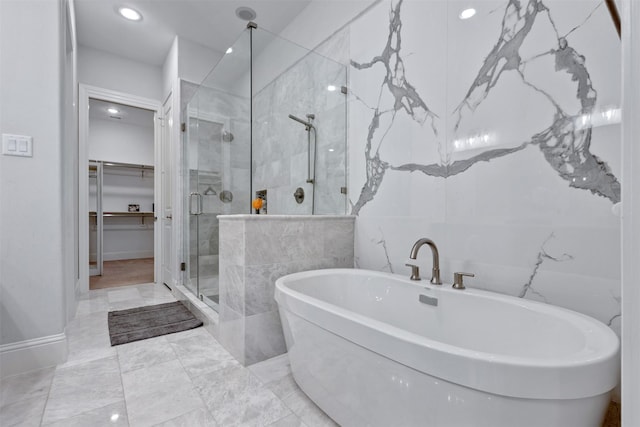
198	203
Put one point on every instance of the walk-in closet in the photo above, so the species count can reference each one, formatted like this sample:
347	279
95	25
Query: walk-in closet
121	195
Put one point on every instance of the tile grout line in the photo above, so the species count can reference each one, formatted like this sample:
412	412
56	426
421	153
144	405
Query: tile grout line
46	401
124	396
204	405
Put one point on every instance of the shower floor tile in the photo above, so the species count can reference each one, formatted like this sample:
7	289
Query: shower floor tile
163	381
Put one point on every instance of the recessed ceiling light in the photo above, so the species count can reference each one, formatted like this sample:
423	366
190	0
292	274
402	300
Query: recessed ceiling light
331	88
246	13
113	110
467	13
229	50
130	14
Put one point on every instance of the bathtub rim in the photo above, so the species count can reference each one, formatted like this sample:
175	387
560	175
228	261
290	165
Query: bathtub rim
526	377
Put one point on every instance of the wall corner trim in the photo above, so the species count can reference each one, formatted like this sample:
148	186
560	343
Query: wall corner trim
30	355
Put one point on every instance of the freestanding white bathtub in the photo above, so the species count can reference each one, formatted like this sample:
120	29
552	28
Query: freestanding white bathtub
366	350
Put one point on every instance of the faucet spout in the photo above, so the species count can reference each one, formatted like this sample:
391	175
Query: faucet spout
435	271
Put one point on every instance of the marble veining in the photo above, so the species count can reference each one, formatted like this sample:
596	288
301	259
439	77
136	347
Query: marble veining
382	242
197	417
97	383
28	386
236	397
202	354
540	259
528	210
114	414
148	401
564	145
142	354
26	412
617	315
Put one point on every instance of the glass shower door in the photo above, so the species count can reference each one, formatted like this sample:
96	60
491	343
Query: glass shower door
217	171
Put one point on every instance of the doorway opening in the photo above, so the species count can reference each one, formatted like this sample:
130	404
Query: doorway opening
119	191
121	194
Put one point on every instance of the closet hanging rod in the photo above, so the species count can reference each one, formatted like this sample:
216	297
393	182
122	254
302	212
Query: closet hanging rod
124	165
123	214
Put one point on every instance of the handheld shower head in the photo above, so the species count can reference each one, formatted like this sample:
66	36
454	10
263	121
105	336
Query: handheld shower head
309	127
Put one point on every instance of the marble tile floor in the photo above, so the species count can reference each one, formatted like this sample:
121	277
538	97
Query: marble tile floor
182	379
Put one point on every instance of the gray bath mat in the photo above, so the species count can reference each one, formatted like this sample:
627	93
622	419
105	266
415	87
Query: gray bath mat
141	323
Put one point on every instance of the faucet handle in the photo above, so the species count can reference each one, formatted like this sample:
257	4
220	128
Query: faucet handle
458	279
415	271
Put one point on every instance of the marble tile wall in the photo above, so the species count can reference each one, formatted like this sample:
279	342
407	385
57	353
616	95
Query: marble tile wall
498	137
255	250
310	86
215	115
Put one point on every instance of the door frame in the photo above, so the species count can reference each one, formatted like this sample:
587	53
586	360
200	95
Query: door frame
86	92
630	213
167	164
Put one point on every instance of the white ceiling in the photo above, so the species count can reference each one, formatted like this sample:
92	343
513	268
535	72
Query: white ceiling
125	114
212	23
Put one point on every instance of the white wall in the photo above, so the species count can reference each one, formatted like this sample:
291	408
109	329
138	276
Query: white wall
170	70
70	158
195	61
321	18
187	60
32	300
114	141
108	71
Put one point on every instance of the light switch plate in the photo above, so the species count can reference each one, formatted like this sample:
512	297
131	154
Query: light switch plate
17	145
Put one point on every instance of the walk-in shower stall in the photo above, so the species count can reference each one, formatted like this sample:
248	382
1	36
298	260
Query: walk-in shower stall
268	122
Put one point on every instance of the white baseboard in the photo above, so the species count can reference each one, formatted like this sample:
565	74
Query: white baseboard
114	256
29	355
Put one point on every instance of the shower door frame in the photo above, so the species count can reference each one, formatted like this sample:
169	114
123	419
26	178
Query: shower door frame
630	232
225	123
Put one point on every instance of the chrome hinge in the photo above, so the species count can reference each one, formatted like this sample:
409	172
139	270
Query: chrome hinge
183	127
343	89
343	190
183	266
